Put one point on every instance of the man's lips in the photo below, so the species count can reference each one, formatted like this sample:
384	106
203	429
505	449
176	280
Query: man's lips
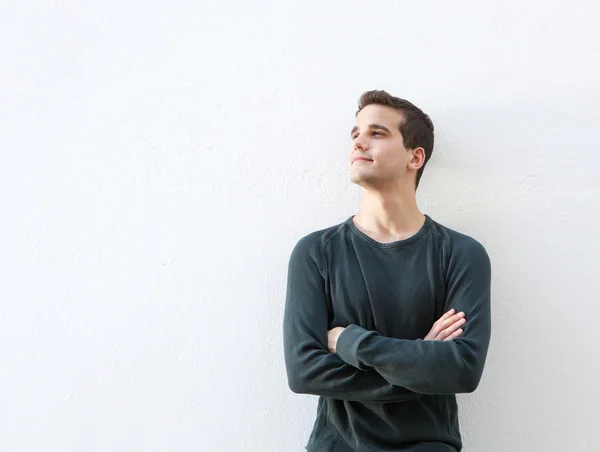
362	158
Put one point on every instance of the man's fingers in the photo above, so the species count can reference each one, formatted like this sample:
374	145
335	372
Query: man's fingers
446	315
454	335
451	328
451	320
446	326
440	323
449	316
455	325
444	322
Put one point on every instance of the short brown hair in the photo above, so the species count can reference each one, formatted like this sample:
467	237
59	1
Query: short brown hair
416	128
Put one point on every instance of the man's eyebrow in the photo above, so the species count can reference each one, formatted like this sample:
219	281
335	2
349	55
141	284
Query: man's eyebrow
371	126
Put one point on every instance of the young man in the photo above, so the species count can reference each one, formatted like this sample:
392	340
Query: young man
387	315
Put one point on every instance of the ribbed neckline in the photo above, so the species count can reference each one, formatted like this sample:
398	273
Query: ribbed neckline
402	242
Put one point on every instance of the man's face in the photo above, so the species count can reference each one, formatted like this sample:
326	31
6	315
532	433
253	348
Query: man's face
376	136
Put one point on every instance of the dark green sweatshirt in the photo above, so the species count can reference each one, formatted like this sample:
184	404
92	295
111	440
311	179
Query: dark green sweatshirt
385	388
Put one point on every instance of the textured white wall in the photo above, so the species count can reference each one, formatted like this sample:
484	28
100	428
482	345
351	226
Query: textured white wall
159	160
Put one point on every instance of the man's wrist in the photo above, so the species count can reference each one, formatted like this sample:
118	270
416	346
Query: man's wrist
348	342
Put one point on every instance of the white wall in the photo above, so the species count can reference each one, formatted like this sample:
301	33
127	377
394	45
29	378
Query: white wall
161	159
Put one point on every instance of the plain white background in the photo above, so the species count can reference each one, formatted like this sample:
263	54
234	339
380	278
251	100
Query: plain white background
159	160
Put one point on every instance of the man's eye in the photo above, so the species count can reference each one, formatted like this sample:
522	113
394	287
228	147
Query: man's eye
377	133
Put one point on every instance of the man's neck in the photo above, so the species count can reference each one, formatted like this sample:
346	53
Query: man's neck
387	218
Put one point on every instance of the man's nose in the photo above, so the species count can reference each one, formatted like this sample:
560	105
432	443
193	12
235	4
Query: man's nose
360	143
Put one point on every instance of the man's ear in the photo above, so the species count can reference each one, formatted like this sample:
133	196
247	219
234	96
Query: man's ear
418	157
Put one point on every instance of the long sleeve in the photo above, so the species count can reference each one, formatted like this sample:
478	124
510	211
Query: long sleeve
311	368
435	367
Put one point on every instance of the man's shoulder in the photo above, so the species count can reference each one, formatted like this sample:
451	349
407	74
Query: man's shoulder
456	241
314	242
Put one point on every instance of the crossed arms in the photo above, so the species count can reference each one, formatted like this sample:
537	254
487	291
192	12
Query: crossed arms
369	367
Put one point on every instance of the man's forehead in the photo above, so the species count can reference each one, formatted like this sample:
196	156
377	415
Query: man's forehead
378	114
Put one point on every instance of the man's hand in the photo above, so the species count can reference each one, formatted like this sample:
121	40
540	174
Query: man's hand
447	327
332	337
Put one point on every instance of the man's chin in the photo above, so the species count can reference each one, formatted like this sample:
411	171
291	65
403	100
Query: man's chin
360	179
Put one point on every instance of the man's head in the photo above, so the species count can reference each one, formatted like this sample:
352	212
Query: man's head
395	135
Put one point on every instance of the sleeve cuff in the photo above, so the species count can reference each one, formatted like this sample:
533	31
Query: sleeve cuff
348	342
